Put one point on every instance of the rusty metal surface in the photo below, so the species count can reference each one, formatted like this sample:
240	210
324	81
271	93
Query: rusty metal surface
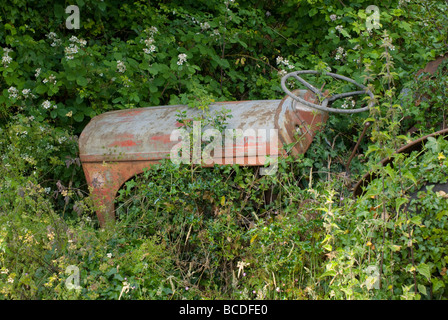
117	145
408	148
144	134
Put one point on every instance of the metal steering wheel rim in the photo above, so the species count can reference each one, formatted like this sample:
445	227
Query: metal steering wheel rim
323	106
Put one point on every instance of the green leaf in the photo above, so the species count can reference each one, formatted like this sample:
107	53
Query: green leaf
437	284
424	270
328	273
62	112
111	271
411	177
442	213
90	112
78	117
40	89
422	289
399	202
417	220
119	277
81	81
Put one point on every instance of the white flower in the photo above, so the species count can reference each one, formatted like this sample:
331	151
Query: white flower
12	92
153	30
149	41
121	66
182	58
26	92
37	72
339	28
333	17
54	37
340	53
281	60
74	40
52	79
46	104
109	255
205	26
6	60
149	50
70	51
281	73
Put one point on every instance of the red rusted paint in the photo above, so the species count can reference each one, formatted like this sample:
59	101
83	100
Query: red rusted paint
163	138
106	179
131	113
126	143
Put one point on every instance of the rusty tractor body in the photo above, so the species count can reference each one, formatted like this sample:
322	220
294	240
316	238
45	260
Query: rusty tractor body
117	145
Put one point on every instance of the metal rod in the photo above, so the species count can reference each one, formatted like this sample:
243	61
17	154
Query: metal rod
366	125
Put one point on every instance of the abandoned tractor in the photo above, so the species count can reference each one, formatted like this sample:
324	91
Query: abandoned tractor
117	145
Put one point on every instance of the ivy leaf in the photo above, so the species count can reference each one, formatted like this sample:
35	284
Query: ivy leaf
442	213
417	220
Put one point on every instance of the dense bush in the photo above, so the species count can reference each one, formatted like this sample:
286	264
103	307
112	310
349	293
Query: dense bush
223	232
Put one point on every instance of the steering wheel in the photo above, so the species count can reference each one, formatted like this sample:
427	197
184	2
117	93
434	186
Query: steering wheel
326	101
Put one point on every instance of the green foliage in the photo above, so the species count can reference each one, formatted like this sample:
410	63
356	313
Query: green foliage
223	232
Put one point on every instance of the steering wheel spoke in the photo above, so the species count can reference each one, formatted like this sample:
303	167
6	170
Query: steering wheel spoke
326	101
